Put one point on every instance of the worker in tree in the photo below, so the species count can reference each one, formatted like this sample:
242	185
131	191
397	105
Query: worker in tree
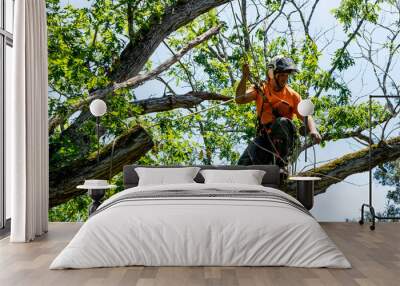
276	103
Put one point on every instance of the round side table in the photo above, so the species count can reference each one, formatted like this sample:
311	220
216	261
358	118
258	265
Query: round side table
96	193
305	190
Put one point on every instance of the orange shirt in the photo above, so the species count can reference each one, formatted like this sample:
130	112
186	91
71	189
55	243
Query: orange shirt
285	101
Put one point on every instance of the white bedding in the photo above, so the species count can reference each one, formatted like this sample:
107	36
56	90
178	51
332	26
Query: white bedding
200	231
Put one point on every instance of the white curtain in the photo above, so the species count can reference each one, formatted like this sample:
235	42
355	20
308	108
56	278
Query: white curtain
27	124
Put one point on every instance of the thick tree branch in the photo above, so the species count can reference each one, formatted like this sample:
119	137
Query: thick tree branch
354	163
170	102
129	147
138	51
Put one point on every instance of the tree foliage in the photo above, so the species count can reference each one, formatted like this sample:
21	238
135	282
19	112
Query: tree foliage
388	174
91	47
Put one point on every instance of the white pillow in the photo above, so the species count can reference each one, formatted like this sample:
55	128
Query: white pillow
165	176
249	177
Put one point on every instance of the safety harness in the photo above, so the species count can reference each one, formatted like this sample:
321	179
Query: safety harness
275	113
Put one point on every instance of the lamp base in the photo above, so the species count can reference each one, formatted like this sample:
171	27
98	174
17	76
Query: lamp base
305	193
96	195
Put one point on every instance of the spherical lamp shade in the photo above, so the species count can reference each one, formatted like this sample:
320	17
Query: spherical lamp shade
98	107
305	107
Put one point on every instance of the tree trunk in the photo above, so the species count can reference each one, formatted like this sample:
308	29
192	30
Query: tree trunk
138	51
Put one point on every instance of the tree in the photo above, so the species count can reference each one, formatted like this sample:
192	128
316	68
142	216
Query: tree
104	51
88	59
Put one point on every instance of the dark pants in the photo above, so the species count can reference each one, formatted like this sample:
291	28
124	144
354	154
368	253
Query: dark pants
282	130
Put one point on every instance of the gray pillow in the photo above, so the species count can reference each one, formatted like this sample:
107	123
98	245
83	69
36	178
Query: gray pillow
248	177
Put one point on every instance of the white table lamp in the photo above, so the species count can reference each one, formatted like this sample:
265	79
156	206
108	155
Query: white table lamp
98	108
305	107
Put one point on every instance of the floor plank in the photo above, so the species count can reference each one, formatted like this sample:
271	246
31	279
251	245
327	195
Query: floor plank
374	255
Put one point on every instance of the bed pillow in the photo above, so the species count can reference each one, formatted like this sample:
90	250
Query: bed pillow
248	177
166	176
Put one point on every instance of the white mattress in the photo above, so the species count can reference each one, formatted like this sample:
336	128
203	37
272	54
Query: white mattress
200	231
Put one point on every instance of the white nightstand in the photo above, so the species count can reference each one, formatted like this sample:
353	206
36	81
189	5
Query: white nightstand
96	190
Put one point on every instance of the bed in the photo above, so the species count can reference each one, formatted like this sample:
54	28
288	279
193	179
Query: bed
201	224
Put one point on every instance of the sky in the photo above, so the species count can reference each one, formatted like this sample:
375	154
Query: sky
343	200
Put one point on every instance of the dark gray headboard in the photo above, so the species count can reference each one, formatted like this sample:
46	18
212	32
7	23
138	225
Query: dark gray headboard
271	177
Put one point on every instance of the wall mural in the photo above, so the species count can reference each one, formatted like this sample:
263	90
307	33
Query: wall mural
219	82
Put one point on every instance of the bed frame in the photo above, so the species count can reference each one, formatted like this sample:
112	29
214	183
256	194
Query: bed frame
270	179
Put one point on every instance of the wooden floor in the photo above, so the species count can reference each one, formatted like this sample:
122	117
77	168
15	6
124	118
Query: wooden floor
374	255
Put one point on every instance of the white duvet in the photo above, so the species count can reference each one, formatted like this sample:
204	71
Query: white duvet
200	231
